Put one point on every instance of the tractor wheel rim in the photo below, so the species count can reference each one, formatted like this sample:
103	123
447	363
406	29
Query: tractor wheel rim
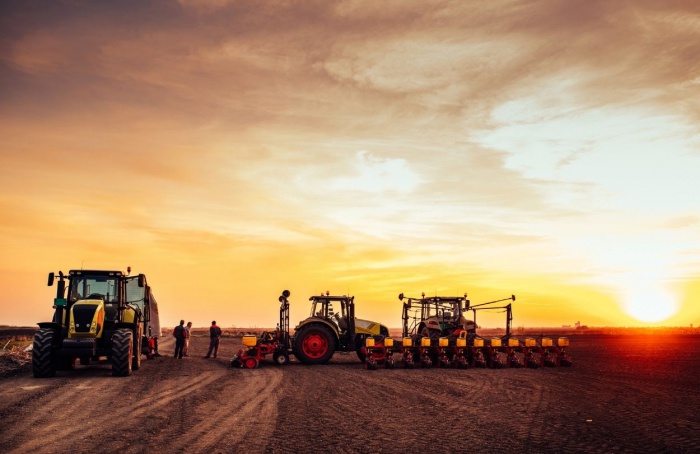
314	345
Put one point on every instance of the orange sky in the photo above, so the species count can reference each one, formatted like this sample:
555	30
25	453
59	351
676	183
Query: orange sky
233	149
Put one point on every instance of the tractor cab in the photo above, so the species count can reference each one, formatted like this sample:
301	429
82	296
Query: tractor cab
434	316
93	290
333	309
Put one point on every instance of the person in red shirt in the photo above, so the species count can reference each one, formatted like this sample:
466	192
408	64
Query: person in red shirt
214	335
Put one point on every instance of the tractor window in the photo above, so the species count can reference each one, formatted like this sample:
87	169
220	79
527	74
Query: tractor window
84	287
134	293
429	310
318	308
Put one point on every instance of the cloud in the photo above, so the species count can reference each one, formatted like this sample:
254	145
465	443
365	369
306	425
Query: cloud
376	176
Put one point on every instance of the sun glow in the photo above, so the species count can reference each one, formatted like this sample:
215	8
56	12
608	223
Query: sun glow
649	303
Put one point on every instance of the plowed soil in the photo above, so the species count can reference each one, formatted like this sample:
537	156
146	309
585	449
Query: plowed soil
623	394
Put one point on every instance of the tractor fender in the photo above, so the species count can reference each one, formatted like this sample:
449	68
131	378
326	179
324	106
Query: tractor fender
127	325
130	315
50	325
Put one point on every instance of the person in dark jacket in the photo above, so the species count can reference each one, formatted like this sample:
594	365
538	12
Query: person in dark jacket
179	333
214	335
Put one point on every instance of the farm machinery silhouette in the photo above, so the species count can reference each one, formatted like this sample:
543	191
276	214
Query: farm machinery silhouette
331	327
105	314
435	333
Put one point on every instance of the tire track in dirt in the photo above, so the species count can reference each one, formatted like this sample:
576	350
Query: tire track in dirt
111	404
248	420
43	417
229	411
22	394
76	398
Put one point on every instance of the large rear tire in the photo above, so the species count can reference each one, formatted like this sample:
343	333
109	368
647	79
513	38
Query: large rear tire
122	347
314	344
43	364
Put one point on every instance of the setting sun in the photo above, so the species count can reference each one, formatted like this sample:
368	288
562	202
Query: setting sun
650	304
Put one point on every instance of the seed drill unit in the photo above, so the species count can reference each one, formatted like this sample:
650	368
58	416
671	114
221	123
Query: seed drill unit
437	334
507	351
276	343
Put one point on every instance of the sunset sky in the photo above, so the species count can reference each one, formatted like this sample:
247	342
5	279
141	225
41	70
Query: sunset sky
233	149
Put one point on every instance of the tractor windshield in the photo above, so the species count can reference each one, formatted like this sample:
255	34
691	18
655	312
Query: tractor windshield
102	287
446	311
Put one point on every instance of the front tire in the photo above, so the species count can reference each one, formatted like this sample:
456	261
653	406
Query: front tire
43	365
360	341
281	359
122	348
315	344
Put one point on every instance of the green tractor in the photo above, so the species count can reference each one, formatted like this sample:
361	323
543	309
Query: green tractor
332	327
105	314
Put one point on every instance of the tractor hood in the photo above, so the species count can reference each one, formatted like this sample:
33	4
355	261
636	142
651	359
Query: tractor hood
368	327
87	318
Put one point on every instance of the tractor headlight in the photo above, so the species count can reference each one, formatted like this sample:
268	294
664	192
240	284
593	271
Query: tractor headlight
72	327
93	327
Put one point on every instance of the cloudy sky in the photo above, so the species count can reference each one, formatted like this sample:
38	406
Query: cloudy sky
233	149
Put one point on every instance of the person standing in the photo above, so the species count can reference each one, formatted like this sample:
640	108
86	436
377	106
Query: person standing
188	333
214	335
179	333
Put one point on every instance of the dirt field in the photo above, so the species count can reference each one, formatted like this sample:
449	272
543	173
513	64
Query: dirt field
624	394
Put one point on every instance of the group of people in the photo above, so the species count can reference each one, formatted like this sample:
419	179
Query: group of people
182	334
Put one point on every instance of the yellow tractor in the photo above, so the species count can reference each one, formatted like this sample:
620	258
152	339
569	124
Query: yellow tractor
106	314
